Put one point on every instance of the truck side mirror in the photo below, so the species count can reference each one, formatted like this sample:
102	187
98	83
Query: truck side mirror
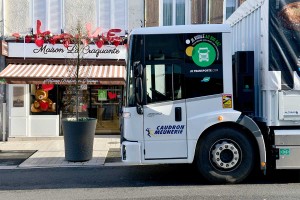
139	90
138	69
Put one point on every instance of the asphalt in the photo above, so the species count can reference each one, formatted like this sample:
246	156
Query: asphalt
35	152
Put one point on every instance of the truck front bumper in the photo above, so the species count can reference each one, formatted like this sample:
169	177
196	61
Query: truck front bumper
131	152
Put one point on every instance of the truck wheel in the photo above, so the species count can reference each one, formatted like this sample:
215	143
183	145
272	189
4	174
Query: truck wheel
225	155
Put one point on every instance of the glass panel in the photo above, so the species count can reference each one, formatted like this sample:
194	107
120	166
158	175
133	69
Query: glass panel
119	13
180	12
105	107
55	23
167	12
164	47
204	65
18	96
135	55
104	14
43	99
230	7
159	83
178	82
39	13
68	104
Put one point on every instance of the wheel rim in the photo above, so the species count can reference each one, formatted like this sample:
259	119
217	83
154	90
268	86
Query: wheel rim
225	155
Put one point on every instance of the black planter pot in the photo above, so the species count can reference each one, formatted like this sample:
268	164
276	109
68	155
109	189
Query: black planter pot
79	139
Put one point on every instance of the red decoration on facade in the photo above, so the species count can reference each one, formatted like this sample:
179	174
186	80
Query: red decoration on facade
99	43
27	39
47	87
66	39
39	42
66	43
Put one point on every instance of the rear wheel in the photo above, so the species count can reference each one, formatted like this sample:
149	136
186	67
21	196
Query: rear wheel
225	155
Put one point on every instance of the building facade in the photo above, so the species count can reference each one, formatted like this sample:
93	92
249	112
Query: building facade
38	68
36	59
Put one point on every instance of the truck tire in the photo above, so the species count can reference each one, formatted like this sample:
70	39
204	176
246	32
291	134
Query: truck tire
225	155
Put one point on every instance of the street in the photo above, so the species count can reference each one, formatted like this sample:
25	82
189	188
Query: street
139	182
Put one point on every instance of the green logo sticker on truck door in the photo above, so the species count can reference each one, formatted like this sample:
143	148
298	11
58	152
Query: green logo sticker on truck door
204	54
204	49
284	152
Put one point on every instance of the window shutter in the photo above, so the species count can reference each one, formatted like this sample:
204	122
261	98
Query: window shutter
104	14
55	15
198	11
39	13
120	15
152	13
216	12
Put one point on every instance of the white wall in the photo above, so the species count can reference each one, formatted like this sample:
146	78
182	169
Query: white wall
135	14
83	10
16	16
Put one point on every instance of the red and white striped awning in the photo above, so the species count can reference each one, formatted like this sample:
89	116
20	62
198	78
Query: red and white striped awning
63	74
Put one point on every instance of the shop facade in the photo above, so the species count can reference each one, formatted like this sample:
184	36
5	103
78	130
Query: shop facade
41	87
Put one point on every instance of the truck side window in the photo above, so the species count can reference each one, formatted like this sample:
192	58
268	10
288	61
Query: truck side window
202	82
163	82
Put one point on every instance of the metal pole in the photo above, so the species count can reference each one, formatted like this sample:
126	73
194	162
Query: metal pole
4	121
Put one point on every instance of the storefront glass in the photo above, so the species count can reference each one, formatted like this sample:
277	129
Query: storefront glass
105	107
101	102
43	99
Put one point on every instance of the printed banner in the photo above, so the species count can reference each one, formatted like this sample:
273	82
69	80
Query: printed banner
284	39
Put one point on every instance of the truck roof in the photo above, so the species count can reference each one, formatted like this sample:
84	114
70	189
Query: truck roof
199	28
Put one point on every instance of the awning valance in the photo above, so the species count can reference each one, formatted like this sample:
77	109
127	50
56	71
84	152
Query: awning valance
63	74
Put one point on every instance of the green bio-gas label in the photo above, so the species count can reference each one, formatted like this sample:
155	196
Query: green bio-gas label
205	49
284	152
204	54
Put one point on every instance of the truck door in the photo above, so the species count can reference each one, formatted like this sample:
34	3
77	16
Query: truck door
164	113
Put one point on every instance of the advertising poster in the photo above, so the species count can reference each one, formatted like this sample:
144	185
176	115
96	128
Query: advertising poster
102	95
284	40
18	97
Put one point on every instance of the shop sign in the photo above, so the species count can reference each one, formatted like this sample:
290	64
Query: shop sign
31	50
69	81
102	95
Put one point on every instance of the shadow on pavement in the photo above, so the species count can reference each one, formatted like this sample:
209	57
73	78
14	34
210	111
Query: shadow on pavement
120	176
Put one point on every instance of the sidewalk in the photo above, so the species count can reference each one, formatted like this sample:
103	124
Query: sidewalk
50	151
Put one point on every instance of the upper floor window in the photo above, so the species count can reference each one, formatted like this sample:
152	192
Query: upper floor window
50	13
112	14
174	12
231	6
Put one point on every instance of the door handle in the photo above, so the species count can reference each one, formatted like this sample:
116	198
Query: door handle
178	112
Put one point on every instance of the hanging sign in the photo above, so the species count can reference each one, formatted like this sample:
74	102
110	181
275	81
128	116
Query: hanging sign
102	95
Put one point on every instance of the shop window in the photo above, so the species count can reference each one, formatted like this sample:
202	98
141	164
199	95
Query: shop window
43	99
50	13
68	101
112	14
105	101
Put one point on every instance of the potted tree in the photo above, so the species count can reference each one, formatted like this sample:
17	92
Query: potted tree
78	131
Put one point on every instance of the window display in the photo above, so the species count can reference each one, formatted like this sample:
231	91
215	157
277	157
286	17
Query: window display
69	101
43	99
105	107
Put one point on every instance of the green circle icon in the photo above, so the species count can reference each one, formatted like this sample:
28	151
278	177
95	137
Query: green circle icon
204	54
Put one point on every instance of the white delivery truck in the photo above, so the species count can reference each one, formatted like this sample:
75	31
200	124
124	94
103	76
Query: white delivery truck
226	97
